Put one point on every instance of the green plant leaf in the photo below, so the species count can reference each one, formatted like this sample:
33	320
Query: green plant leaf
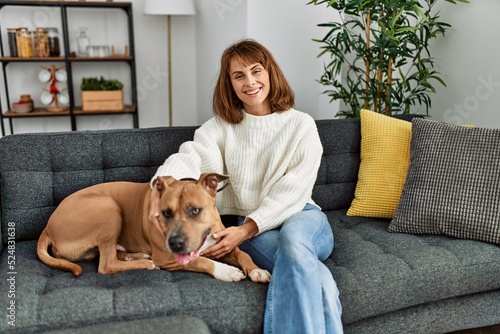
100	84
400	34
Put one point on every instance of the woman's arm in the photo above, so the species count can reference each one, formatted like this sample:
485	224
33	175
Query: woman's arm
202	154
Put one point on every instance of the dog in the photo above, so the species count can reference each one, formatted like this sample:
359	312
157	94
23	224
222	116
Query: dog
111	219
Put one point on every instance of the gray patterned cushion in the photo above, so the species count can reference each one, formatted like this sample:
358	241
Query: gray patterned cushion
453	183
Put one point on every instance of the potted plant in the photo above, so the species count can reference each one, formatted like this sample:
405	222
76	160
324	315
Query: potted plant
99	94
380	49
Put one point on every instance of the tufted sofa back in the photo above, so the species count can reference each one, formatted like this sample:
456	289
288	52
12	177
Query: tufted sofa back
338	172
37	171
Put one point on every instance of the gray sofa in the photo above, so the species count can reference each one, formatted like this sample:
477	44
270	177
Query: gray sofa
388	282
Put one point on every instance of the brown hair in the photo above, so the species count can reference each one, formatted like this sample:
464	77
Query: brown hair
226	104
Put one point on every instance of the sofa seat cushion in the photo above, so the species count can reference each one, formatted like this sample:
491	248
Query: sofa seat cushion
165	325
378	272
50	299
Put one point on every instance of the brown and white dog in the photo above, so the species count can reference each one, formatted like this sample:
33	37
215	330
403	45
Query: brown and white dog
111	219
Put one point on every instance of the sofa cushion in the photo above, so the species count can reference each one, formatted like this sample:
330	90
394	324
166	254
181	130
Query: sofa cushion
385	157
169	325
49	299
453	183
379	272
376	272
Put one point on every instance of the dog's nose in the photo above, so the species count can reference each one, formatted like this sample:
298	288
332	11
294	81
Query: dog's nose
177	243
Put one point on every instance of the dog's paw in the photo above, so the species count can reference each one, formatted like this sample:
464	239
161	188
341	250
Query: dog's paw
228	273
153	266
137	256
260	276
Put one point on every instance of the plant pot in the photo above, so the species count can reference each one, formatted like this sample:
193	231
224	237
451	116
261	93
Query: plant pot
102	100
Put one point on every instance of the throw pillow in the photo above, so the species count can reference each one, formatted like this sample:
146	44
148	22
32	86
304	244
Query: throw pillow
385	157
453	183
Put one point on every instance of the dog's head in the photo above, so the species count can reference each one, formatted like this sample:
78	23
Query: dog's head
188	213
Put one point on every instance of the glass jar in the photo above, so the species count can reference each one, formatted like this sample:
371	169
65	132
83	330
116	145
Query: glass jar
24	43
54	43
83	42
41	42
11	33
99	51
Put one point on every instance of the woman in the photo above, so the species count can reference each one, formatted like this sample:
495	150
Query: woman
272	153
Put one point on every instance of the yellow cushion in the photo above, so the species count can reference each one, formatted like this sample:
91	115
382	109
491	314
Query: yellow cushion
385	158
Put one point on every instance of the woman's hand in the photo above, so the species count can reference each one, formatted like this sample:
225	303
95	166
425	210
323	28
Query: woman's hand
231	238
154	209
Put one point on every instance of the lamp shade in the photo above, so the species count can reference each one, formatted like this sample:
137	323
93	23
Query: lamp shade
169	7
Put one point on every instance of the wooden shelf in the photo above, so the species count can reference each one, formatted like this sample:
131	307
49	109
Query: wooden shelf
91	4
30	59
36	113
73	59
110	58
127	109
41	112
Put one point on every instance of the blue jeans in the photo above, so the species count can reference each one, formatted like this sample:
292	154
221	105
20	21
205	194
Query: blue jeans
302	296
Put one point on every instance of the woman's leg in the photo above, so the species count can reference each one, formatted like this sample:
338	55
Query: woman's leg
302	295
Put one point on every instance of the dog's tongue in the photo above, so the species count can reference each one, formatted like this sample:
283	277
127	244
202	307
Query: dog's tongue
185	258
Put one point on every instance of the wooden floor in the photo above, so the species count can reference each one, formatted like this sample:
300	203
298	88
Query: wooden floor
484	330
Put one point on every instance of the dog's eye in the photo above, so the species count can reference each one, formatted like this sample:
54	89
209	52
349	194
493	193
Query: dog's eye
168	214
195	211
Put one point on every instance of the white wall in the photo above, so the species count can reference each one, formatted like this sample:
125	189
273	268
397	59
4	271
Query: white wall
287	29
466	56
218	23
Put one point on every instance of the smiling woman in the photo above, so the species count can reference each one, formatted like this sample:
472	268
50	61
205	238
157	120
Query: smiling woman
272	154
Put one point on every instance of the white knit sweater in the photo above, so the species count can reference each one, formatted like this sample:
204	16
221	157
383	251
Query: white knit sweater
272	162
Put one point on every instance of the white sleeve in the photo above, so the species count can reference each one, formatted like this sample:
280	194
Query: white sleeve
202	154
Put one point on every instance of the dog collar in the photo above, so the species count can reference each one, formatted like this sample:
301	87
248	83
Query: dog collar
218	190
223	187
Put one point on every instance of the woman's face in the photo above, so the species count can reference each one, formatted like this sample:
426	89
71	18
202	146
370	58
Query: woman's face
251	85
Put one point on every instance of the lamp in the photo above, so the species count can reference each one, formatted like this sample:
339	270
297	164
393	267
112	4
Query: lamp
169	8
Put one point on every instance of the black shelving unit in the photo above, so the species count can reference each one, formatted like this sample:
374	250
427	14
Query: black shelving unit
73	111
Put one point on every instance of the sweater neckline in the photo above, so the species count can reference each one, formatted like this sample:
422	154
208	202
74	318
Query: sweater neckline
266	121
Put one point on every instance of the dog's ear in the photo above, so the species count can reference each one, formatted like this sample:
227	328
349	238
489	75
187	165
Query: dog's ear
163	182
211	180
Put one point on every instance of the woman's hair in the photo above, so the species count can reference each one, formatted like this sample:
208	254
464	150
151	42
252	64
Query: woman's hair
226	104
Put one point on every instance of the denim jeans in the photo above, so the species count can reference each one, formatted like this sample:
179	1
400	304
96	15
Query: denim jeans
302	296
